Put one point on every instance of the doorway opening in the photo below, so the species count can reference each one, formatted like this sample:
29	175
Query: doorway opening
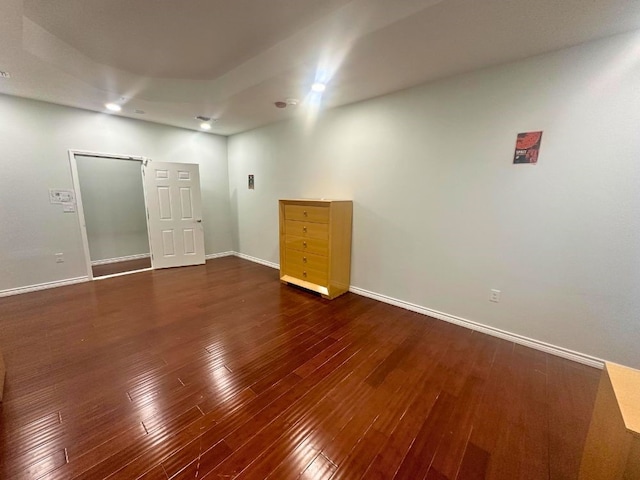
112	213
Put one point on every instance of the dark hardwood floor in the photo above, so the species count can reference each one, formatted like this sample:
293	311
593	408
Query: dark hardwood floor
219	371
121	267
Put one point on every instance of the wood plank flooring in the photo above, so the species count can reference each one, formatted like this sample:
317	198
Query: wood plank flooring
219	371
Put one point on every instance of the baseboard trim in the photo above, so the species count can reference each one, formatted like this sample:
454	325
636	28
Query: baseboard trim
219	255
257	260
108	261
463	322
122	274
71	281
479	327
43	286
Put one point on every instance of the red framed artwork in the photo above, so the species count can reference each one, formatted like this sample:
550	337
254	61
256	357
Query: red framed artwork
527	147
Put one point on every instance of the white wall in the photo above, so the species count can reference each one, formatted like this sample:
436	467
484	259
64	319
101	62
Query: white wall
34	139
441	215
114	208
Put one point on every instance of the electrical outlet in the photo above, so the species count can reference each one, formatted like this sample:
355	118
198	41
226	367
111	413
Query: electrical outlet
494	296
59	257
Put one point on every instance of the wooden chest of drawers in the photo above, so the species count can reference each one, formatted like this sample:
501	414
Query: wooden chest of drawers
315	245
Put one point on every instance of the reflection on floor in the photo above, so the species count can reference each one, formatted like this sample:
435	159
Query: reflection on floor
219	371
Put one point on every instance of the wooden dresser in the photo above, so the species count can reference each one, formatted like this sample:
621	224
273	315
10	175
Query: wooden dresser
315	245
612	448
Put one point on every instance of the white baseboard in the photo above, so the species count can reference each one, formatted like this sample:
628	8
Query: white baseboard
147	255
108	261
256	260
72	281
43	286
479	327
122	274
496	332
218	255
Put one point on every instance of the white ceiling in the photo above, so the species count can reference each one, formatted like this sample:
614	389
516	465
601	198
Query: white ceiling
233	59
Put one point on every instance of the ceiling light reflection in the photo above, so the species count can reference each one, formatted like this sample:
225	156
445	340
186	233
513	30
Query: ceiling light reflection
221	380
318	87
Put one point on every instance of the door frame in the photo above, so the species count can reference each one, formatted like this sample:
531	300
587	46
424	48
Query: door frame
79	208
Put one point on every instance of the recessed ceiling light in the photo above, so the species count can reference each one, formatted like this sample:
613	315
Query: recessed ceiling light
318	87
205	126
114	107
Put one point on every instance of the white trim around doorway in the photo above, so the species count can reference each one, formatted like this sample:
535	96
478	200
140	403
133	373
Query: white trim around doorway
78	195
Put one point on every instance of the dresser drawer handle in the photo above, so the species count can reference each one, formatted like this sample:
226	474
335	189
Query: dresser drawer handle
304	244
305	213
304	229
304	259
304	274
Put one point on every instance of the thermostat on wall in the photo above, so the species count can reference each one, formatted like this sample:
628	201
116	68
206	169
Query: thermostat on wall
58	196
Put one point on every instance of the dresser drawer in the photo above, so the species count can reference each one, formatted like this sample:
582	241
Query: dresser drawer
311	276
306	260
306	213
307	229
312	245
308	267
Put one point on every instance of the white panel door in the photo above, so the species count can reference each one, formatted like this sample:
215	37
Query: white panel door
172	194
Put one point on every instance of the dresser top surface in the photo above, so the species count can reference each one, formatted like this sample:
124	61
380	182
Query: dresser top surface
626	385
315	200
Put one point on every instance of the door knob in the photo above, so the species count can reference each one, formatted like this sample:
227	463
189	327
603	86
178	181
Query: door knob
199	220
